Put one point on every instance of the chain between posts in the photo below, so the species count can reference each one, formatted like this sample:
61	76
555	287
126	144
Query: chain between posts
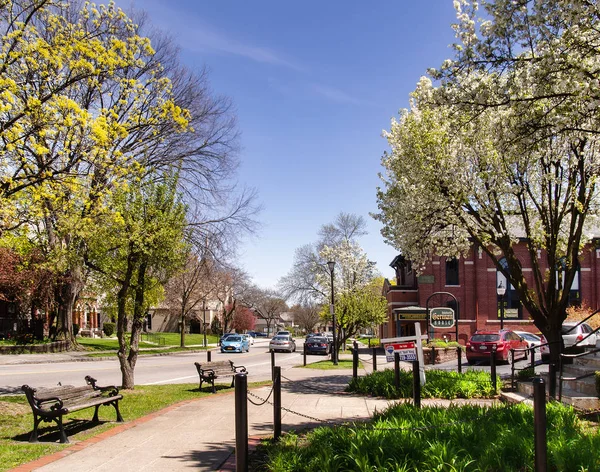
255	396
312	418
374	426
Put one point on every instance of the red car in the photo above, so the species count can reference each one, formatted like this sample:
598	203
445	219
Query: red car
480	345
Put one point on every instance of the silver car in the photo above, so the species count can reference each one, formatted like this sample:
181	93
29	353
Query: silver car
572	332
282	343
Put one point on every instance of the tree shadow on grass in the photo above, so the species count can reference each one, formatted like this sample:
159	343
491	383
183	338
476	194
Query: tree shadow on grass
51	432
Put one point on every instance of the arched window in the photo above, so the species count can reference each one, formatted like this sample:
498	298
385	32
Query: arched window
574	292
512	304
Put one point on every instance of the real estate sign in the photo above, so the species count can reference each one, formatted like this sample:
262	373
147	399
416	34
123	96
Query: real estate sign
407	351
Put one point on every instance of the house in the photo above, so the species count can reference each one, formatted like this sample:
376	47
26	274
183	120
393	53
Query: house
471	284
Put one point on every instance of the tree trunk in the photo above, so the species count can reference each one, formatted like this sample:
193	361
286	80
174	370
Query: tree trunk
182	324
67	294
126	368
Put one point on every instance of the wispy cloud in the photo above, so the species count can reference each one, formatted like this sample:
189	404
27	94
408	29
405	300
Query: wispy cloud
337	95
194	34
207	38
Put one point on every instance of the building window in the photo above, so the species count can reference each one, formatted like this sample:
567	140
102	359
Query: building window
452	272
512	303
574	292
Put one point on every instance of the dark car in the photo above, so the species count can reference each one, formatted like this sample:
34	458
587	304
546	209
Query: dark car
318	345
481	343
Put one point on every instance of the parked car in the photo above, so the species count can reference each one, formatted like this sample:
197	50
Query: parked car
249	338
284	333
545	349
533	340
235	343
282	343
260	335
318	345
480	345
573	332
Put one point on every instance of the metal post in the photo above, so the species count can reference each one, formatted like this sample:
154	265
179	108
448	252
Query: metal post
512	370
459	357
273	365
493	367
355	360
560	375
277	404
241	423
539	424
204	318
334	357
208	356
552	380
502	312
416	385
374	359
432	354
397	370
304	354
533	360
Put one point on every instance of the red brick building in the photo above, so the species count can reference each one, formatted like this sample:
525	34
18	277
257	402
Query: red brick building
473	281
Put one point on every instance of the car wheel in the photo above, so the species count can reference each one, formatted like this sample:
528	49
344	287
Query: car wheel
470	361
509	357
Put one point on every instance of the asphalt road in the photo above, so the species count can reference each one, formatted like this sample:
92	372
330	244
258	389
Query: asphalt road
179	368
149	370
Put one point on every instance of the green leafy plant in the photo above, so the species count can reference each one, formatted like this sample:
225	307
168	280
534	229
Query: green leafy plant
525	374
405	438
108	329
440	384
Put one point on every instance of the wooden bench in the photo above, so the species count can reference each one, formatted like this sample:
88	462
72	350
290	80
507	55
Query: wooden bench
51	404
209	371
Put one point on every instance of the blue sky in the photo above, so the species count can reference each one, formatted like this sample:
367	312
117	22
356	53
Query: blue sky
314	84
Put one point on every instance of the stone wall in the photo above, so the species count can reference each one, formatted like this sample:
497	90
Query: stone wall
58	346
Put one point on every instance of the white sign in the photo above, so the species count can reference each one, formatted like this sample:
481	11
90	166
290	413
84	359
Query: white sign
407	351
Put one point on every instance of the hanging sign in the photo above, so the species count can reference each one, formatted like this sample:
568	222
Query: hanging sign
442	317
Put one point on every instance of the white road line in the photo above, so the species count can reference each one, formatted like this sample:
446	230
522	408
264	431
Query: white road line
171	380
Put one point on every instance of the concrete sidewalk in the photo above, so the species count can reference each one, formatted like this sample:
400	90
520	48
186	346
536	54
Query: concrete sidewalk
200	434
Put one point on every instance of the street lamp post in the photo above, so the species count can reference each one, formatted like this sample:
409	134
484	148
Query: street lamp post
501	290
334	356
204	318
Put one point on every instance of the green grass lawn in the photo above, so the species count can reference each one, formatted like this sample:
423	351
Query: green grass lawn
170	339
16	420
328	365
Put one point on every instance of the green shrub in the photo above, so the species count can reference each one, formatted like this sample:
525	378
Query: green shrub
440	384
525	374
75	329
441	344
466	438
25	338
108	329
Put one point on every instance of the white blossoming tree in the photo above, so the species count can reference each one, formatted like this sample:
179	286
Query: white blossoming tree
505	146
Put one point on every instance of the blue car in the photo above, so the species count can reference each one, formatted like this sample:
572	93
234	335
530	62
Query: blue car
235	343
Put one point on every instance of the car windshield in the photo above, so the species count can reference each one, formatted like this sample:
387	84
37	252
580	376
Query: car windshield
485	338
280	338
234	339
